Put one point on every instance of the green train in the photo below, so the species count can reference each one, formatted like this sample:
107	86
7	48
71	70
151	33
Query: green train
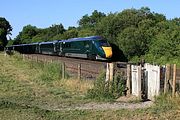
93	47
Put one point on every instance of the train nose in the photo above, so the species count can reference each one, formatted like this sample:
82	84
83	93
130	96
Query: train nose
108	51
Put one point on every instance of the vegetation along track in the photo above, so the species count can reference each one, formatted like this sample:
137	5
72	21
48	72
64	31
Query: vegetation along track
89	68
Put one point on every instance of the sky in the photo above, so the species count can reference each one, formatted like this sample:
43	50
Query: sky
44	13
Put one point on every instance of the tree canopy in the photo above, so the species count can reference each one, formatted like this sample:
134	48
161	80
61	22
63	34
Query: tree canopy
5	29
137	33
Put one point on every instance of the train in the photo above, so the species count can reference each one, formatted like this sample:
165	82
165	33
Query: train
93	47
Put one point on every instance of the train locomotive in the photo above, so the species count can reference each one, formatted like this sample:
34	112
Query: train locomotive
93	47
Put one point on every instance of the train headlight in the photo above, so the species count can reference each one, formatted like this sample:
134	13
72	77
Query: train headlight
108	51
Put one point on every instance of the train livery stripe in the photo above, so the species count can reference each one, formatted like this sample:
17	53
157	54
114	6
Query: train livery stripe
76	55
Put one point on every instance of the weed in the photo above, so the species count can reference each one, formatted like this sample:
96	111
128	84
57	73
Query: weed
107	90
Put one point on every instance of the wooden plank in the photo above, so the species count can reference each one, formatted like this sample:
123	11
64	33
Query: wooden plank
111	68
79	71
128	85
174	80
139	81
63	70
167	78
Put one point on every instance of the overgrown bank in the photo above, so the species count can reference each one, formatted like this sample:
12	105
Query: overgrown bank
31	90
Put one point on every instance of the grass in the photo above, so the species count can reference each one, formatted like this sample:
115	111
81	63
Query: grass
34	91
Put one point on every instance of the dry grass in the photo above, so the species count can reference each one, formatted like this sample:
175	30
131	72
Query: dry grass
75	85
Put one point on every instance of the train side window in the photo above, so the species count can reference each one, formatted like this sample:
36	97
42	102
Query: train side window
86	44
67	45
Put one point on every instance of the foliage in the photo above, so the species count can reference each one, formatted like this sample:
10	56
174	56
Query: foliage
31	34
99	90
90	21
73	33
117	86
135	33
5	29
165	104
26	35
103	90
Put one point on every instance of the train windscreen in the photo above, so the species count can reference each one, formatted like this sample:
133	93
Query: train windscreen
103	43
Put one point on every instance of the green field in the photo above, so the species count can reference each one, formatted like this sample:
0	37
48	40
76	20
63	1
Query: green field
30	91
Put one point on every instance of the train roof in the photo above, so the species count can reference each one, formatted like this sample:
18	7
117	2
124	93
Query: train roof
25	44
49	42
68	40
82	39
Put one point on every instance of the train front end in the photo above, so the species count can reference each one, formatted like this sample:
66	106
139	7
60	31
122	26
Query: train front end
104	50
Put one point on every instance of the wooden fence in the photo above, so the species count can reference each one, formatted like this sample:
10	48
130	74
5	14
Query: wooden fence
147	81
141	80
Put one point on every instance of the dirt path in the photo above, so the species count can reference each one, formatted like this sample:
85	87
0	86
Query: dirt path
101	106
114	106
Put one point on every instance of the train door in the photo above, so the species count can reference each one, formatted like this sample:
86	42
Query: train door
89	49
60	49
37	48
86	48
54	46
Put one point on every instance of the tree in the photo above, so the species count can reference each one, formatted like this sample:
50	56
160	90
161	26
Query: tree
5	29
26	35
167	42
85	33
56	29
90	21
70	34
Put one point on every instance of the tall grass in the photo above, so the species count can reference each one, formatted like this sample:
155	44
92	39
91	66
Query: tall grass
107	91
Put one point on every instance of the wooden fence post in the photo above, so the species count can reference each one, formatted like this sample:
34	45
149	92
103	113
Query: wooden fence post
79	71
128	82
63	70
167	78
111	72
139	80
174	80
107	72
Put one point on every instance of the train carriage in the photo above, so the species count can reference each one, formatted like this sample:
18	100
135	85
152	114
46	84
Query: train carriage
94	47
49	48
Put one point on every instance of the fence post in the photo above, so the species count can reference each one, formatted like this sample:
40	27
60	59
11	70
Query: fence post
174	80
111	72
167	78
128	85
63	70
79	71
107	72
139	80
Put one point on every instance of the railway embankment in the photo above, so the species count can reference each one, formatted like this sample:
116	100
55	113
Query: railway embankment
31	90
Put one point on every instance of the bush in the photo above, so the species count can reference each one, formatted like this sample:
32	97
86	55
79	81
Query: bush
107	90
